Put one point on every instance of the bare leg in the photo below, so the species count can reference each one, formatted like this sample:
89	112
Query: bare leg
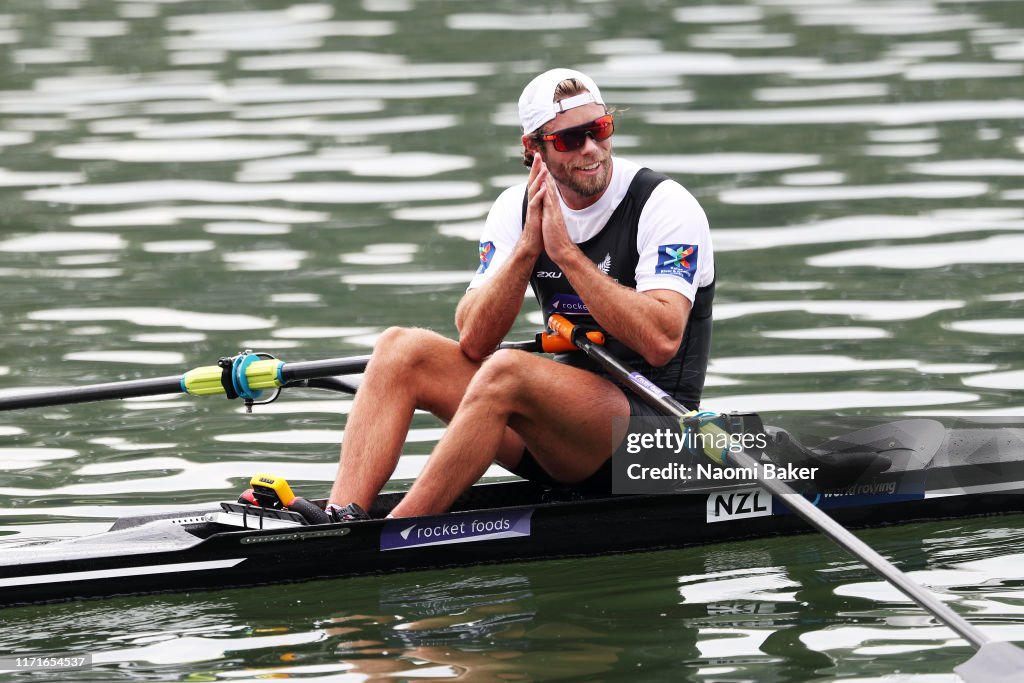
563	415
410	369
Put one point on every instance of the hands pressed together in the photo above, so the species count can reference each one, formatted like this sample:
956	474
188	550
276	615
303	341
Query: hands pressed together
544	228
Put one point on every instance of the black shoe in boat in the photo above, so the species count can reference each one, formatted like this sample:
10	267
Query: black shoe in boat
348	513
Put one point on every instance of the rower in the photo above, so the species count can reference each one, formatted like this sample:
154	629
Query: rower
598	238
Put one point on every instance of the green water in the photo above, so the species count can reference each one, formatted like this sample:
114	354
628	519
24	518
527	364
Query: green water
181	180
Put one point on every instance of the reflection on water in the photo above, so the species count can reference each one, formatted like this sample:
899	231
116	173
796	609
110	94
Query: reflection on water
183	181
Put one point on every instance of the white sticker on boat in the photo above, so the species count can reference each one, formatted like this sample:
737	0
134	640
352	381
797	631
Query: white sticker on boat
741	504
120	572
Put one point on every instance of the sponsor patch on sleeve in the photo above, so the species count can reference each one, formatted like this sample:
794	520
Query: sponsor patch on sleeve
486	256
677	259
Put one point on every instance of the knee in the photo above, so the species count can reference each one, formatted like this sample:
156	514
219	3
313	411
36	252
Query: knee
500	376
505	361
404	346
404	340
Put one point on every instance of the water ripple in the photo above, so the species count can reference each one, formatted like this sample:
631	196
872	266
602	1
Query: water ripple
821	363
179	151
9	178
172	215
717	14
998	249
136	357
842	91
205	35
896	114
867	227
396	165
784	195
1013	380
971	167
211	191
851	332
725	162
856	310
834	400
515	22
999	326
156	317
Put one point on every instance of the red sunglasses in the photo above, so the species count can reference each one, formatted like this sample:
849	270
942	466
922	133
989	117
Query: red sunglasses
571	139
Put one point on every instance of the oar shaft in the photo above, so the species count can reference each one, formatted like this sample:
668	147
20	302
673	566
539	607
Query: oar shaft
291	372
95	392
865	553
658	399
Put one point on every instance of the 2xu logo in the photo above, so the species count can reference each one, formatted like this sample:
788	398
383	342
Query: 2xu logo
549	274
742	504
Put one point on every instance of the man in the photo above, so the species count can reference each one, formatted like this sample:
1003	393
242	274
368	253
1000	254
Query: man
598	238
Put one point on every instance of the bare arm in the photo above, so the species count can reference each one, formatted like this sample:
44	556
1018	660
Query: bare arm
486	314
651	323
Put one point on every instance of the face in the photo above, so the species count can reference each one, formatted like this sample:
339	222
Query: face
587	170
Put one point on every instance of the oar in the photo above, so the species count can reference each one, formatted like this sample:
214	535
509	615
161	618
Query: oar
994	662
245	376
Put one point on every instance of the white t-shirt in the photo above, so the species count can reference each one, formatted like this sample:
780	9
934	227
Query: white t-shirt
673	240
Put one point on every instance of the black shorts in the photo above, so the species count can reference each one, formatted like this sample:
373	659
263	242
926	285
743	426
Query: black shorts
600	482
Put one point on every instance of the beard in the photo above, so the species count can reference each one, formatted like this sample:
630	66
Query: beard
585	186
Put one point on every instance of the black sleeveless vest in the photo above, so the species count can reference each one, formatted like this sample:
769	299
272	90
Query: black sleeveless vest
614	250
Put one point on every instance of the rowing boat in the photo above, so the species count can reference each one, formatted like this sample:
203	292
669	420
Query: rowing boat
891	473
897	472
923	470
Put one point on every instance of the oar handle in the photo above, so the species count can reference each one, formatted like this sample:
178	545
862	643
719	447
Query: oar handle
562	328
550	342
556	343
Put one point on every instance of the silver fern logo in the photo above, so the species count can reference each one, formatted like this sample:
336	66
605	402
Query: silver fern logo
605	266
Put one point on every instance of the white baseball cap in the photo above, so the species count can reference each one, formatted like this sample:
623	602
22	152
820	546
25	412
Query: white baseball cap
537	105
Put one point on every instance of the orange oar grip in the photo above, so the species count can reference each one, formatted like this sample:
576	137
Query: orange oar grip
553	343
561	326
560	340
